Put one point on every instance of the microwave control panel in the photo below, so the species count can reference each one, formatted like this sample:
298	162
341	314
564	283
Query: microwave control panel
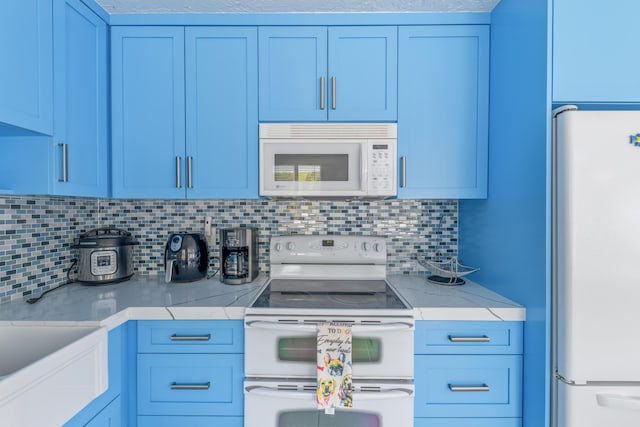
381	164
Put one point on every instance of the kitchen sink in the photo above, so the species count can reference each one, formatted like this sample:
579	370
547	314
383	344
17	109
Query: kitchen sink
57	369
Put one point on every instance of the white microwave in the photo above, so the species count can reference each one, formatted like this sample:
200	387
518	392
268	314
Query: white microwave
328	160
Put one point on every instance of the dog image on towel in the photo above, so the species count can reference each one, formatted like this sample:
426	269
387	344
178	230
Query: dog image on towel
335	387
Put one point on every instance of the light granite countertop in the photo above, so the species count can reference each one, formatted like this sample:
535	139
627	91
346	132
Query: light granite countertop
148	297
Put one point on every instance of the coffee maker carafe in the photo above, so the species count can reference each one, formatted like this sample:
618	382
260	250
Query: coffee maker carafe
238	255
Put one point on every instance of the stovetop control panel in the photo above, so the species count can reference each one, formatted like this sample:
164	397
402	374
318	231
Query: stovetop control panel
328	249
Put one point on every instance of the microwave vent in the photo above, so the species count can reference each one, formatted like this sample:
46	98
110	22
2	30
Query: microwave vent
328	130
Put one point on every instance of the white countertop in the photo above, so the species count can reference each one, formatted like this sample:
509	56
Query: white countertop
465	302
148	297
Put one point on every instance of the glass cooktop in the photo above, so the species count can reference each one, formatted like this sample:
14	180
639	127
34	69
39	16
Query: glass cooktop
328	294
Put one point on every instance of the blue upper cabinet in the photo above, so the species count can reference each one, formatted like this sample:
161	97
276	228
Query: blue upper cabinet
363	74
443	107
26	74
334	73
595	51
184	112
293	73
221	111
148	112
81	166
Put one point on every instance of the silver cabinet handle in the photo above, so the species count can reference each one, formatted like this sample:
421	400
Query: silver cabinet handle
178	162
482	338
176	337
189	178
403	168
65	164
463	388
333	93
322	92
184	386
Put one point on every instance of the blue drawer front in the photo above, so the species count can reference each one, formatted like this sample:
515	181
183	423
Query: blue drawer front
186	336
452	337
223	373
187	421
468	422
435	376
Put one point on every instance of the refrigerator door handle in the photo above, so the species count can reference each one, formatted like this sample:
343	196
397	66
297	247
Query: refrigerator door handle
618	401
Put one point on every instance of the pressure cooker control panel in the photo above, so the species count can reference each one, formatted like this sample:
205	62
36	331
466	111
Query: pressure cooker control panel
104	262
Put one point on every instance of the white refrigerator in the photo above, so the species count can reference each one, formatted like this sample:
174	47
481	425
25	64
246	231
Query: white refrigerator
597	268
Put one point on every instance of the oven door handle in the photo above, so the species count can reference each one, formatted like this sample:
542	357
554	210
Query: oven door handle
304	395
301	327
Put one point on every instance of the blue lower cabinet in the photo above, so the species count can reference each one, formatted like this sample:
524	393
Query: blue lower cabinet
468	386
467	422
189	421
190	336
110	416
190	384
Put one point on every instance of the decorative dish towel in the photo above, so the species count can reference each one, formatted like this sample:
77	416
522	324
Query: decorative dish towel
335	388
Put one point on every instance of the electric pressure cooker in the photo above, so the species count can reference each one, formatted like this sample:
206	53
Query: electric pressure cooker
105	255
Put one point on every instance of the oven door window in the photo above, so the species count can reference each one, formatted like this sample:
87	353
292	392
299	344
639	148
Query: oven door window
351	418
304	349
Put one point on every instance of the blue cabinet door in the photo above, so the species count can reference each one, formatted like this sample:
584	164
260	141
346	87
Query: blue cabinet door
190	384
148	112
293	73
221	111
594	51
468	386
443	107
336	73
80	163
26	74
363	73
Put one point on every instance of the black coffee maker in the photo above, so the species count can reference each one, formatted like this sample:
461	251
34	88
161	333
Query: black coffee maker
186	257
238	255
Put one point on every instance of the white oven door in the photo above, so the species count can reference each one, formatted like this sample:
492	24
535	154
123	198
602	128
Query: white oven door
381	350
330	167
289	404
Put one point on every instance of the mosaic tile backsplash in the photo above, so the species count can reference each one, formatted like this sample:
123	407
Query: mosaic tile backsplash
36	233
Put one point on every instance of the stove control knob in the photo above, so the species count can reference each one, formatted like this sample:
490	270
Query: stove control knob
366	246
291	246
377	247
277	247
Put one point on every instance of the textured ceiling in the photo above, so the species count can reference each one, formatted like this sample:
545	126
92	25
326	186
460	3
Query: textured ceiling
293	6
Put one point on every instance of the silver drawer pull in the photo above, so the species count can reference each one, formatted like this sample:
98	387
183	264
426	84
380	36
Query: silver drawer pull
482	387
201	386
482	338
175	337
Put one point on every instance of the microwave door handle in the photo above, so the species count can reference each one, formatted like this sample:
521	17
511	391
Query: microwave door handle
304	395
380	327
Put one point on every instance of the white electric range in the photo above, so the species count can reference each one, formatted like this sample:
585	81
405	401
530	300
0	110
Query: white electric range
316	279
